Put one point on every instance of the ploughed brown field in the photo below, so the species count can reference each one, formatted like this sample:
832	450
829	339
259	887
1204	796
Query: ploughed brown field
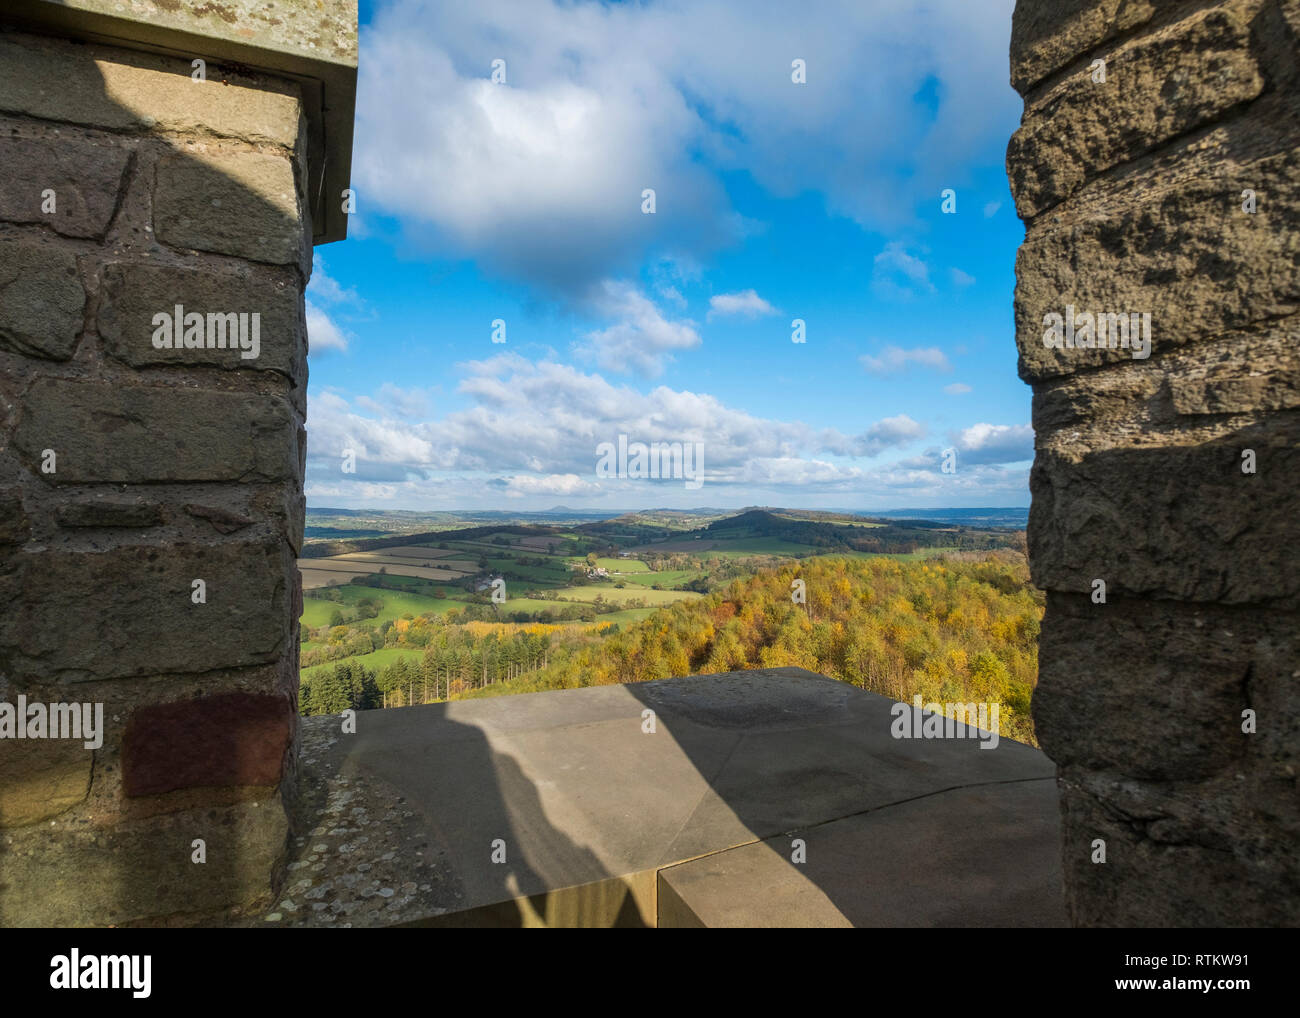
406	560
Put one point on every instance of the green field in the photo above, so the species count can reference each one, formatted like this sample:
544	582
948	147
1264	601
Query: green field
316	611
833	523
537	576
528	604
758	546
611	593
909	556
622	565
485	544
375	660
411	585
668	578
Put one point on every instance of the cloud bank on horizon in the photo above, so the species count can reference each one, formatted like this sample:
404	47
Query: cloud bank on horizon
796	303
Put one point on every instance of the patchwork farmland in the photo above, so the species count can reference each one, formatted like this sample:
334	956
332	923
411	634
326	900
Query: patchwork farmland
410	560
463	610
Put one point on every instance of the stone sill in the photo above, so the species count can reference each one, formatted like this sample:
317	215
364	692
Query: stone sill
604	824
313	42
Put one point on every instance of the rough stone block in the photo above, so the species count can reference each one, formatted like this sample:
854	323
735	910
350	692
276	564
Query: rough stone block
221	520
41	299
230	202
1182	250
1156	89
1166	866
14	528
103	432
84	172
41	778
142	871
1180	521
129	611
213	742
123	90
1239	394
1172	709
1291	11
1154	690
109	512
132	294
1047	35
1191	396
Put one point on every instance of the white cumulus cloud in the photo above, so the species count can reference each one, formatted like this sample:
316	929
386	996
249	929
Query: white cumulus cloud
747	303
540	177
641	339
994	443
893	359
322	333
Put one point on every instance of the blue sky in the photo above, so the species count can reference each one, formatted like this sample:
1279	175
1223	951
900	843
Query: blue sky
521	200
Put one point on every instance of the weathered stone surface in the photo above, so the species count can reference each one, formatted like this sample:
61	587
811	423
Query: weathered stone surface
1181	249
297	515
109	512
324	30
1142	705
1155	89
1155	689
103	432
231	202
1132	515
991	855
1201	393
1168	864
1135	190
142	871
136	152
1291	12
222	522
215	741
1047	35
129	611
1239	394
41	778
132	294
14	527
84	172
41	300
117	89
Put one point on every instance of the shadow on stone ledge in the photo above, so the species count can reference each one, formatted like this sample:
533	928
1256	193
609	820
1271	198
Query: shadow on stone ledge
605	823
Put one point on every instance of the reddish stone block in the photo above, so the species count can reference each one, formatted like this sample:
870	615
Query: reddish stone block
219	741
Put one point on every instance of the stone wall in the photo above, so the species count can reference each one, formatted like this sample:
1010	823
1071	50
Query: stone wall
1171	478
129	472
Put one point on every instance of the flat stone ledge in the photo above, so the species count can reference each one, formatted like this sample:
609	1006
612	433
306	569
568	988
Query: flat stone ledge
402	819
976	857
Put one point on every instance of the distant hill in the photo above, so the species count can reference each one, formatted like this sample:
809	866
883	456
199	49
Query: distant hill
335	531
855	533
1013	516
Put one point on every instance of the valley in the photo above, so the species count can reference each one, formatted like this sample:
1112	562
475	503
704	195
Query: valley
410	617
